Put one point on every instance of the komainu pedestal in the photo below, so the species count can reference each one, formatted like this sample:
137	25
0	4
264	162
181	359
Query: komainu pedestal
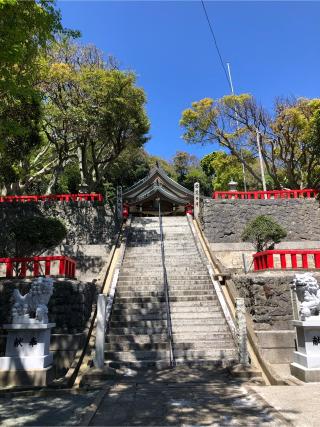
28	360
306	360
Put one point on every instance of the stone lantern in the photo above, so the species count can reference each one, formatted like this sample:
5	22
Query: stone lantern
233	185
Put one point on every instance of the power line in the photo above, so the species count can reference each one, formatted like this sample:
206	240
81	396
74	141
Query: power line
216	44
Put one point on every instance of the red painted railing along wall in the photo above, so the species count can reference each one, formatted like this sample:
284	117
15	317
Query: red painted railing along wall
53	197
39	266
270	194
287	259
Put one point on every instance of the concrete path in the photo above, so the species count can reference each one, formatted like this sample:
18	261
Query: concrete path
196	397
53	408
299	404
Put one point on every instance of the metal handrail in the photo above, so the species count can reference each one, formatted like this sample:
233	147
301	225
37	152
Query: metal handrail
166	291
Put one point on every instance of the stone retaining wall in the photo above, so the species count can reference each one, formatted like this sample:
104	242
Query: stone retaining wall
91	230
223	221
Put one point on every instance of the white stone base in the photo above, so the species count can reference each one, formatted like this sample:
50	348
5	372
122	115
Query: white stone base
305	374
306	360
27	347
25	363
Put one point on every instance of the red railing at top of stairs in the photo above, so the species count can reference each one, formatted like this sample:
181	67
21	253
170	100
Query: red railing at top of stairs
270	194
53	197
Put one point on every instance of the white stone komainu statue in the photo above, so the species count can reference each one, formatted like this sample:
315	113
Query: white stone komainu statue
308	293
35	301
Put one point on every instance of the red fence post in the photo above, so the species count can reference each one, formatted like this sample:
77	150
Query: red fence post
47	267
283	261
36	267
62	267
23	270
270	260
294	263
304	260
9	268
317	260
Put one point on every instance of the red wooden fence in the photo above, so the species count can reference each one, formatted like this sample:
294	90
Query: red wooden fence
270	194
53	197
39	266
287	259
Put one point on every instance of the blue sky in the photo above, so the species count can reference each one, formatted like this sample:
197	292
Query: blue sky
273	48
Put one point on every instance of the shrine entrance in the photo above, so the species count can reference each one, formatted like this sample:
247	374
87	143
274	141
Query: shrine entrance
144	197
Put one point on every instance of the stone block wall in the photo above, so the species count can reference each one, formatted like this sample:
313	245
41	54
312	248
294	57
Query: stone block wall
91	230
223	221
86	222
268	298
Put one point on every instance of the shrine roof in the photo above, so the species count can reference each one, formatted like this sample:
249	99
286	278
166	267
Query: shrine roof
157	181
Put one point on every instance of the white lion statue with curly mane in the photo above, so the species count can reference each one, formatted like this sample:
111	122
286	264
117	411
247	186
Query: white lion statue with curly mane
308	293
34	303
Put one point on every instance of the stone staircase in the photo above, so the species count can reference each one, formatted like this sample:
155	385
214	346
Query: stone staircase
137	335
200	331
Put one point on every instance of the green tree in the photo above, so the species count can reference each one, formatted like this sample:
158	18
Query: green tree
26	30
93	112
182	162
223	168
30	237
197	175
263	232
289	140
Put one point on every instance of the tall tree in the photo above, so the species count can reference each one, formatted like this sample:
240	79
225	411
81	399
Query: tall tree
182	162
289	139
26	28
93	111
223	168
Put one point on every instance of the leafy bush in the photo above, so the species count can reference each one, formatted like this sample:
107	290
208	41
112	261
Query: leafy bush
263	232
32	236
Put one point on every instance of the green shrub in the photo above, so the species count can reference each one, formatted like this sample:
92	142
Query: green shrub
34	235
263	232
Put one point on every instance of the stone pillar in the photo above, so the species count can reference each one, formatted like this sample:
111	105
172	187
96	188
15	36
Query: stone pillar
100	331
242	331
196	203
119	202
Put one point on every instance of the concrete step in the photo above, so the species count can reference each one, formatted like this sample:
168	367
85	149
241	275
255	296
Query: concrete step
138	300
142	364
156	323
123	317
138	339
190	317
159	270
228	343
209	363
134	356
131	346
194	298
190	325
205	354
129	311
158	294
186	310
159	281
141	307
215	334
190	276
132	330
154	287
136	294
